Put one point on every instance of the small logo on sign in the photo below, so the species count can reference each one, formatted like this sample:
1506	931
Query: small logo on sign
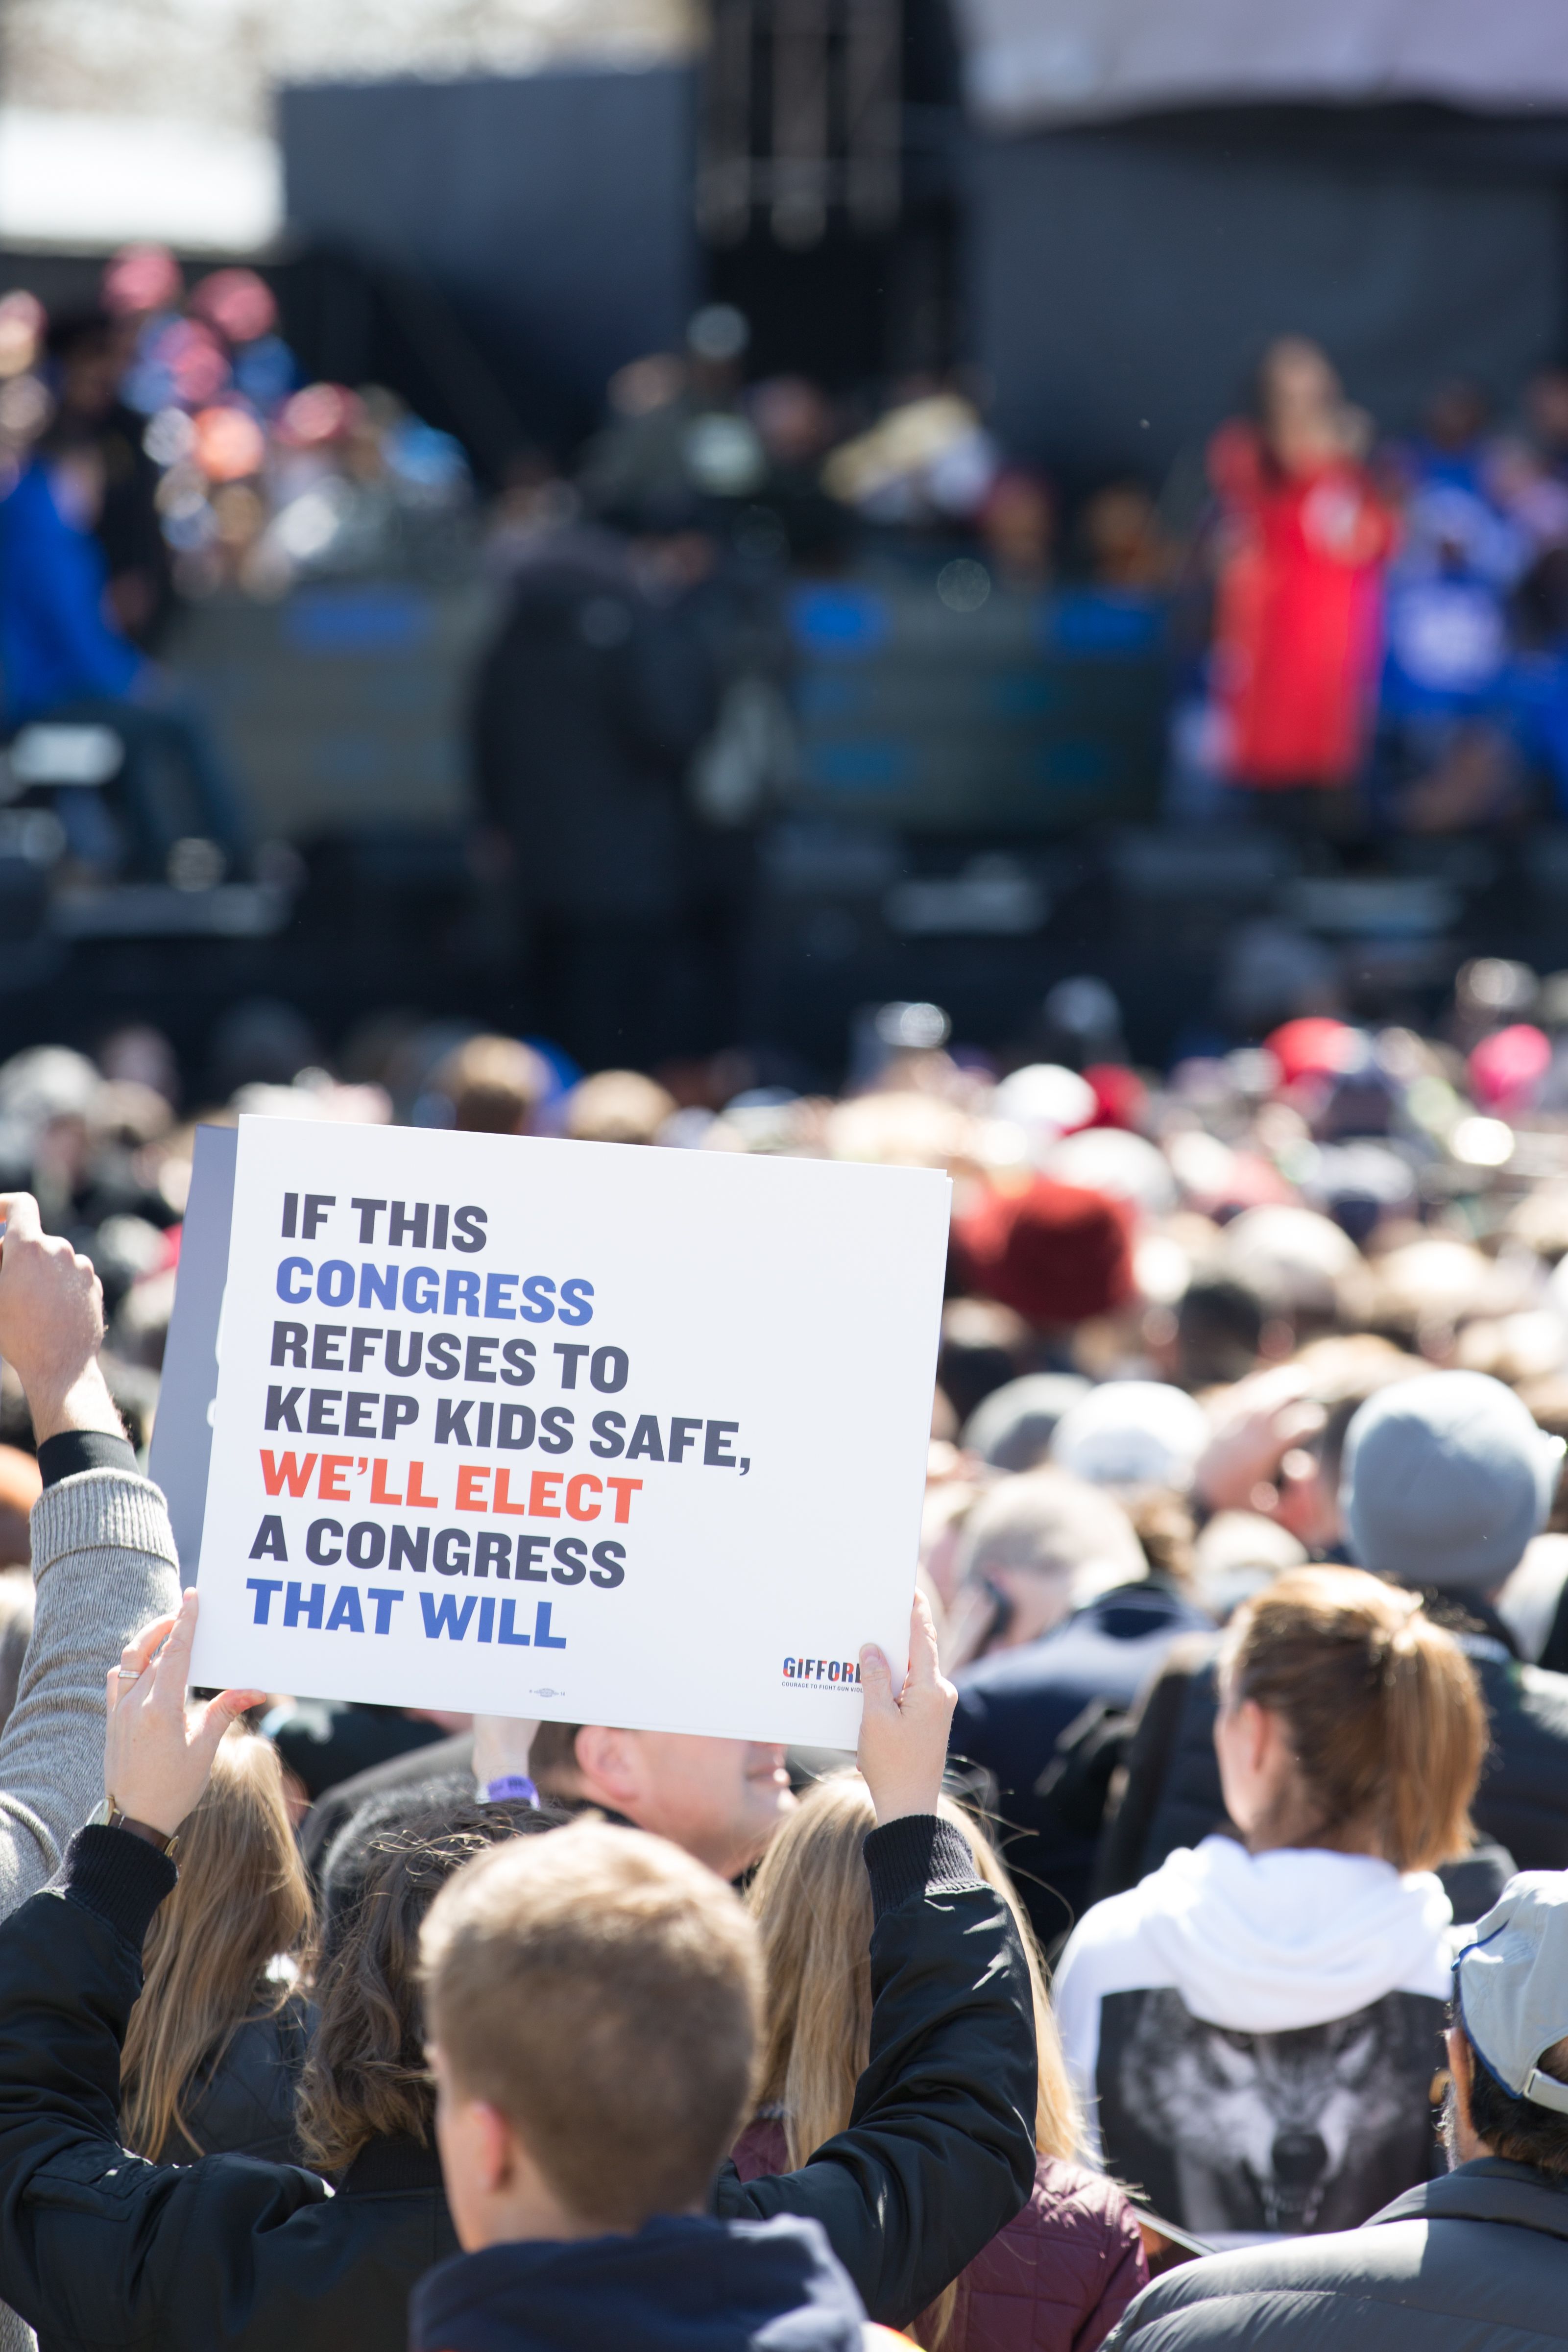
546	1691
811	1673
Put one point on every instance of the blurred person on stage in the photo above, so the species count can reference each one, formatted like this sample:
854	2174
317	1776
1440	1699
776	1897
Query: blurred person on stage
590	705
65	657
88	352
1303	540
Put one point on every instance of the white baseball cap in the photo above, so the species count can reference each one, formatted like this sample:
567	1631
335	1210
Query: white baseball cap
1511	1985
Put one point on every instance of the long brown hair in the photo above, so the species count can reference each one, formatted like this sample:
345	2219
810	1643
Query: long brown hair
367	2077
811	1902
243	1900
1382	1707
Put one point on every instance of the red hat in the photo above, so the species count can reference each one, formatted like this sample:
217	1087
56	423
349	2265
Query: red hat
1506	1068
1312	1047
1054	1253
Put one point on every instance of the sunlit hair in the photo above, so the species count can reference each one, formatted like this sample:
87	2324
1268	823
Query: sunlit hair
811	1901
1382	1707
603	1991
243	1900
367	2077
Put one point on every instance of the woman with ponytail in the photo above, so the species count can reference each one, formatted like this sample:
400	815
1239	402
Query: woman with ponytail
1256	2029
1058	2277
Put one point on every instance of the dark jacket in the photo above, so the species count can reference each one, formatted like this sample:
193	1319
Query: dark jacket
684	2285
591	703
1016	1710
1172	1796
1473	2262
244	2105
1057	2279
325	1742
98	2247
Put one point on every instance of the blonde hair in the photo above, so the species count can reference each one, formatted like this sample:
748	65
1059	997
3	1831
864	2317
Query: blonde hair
811	1902
243	1900
1383	1709
604	1991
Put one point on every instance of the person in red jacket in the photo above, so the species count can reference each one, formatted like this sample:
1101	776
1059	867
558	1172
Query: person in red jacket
1056	2278
1304	539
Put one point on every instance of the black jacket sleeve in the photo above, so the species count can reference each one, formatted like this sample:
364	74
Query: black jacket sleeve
939	2151
94	2243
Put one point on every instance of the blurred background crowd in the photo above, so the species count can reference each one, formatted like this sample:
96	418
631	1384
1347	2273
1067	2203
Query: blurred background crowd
964	505
1175	1286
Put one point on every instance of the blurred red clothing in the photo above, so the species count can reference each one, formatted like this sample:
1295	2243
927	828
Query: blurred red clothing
1297	620
1054	1252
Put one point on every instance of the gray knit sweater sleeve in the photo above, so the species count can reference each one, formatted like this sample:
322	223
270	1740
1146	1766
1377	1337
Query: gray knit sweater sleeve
104	1564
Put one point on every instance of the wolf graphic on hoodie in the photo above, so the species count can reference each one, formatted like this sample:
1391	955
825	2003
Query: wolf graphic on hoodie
1255	2037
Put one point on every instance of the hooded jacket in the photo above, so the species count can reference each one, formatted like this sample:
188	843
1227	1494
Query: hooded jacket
1255	2036
1471	2263
677	2285
99	2247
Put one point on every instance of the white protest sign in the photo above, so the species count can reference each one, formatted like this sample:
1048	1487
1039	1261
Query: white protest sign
567	1430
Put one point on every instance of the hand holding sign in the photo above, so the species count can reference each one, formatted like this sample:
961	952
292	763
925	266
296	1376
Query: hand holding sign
904	1738
51	1325
156	1756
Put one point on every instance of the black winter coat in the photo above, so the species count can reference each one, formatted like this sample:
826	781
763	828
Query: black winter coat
244	2105
590	705
98	2247
1473	2262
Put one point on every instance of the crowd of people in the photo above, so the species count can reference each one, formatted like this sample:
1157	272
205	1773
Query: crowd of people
1363	635
1194	1913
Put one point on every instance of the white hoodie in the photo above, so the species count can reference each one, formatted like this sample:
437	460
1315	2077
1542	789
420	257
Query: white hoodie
1260	1944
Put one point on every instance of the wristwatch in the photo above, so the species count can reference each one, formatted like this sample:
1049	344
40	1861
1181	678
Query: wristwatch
106	1815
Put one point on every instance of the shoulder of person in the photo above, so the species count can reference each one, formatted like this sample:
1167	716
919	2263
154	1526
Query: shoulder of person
1073	2203
1276	2294
1119	1920
1543	1689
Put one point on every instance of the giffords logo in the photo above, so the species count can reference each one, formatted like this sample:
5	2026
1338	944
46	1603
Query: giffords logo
820	1670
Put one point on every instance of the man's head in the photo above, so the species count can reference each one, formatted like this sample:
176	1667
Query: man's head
719	1799
1133	1434
617	1107
1508	2047
1220	1325
592	2001
1445	1478
1045	1543
494	1085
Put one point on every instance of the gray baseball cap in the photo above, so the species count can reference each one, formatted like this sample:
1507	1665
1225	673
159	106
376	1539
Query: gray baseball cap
1512	1984
1445	1478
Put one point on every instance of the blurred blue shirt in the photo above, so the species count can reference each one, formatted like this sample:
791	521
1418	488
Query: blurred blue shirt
56	646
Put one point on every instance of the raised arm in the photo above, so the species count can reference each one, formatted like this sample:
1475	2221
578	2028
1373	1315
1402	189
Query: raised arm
95	2246
939	2151
103	1557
